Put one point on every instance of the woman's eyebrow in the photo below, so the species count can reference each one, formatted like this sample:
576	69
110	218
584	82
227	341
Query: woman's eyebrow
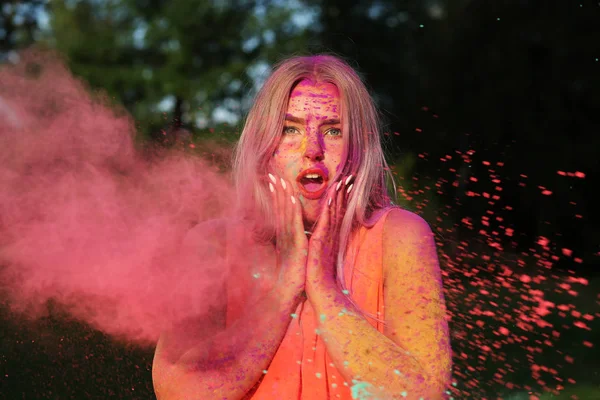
297	120
291	118
331	121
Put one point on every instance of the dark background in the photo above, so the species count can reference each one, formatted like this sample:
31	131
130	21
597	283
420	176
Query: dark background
479	99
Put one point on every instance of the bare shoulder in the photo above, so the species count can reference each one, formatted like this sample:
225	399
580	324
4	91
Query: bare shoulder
403	225
214	236
408	243
212	230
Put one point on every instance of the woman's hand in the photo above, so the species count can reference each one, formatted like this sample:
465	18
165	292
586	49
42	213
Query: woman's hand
292	245
324	242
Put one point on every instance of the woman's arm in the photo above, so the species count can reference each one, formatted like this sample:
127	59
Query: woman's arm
412	359
229	363
204	357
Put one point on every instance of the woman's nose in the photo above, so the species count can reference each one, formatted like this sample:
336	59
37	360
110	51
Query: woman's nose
314	149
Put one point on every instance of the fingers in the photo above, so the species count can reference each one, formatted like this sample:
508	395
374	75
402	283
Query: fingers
335	205
338	200
343	196
341	191
286	199
277	209
289	216
293	218
296	218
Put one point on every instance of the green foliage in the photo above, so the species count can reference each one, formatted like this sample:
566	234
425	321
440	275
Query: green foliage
198	54
19	26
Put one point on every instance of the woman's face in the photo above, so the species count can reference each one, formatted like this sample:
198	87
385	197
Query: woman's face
311	146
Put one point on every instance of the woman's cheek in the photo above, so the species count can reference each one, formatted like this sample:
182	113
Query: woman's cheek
289	150
285	160
291	169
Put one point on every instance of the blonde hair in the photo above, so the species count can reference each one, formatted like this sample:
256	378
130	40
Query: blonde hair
363	153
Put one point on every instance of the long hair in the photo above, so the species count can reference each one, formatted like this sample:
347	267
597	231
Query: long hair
363	155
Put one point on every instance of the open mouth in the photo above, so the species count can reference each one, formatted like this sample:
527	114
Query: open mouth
312	183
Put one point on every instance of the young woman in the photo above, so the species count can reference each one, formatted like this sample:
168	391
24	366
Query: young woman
352	304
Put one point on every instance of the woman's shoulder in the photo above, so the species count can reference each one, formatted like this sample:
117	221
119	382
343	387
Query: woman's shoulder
405	235
402	225
205	230
392	214
232	238
211	234
216	228
398	223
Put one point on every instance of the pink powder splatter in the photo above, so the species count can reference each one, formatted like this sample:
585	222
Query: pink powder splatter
93	223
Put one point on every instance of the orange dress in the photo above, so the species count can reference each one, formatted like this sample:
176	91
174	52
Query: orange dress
301	369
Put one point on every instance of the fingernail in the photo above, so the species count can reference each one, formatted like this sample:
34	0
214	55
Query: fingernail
272	178
282	183
271	187
338	186
349	188
348	180
293	200
329	202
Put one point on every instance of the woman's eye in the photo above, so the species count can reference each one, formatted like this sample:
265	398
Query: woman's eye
334	132
289	130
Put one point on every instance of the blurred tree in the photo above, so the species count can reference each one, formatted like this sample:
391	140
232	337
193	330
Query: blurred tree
19	25
185	57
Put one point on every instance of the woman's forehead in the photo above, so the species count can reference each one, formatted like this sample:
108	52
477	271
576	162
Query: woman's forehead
309	88
319	99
